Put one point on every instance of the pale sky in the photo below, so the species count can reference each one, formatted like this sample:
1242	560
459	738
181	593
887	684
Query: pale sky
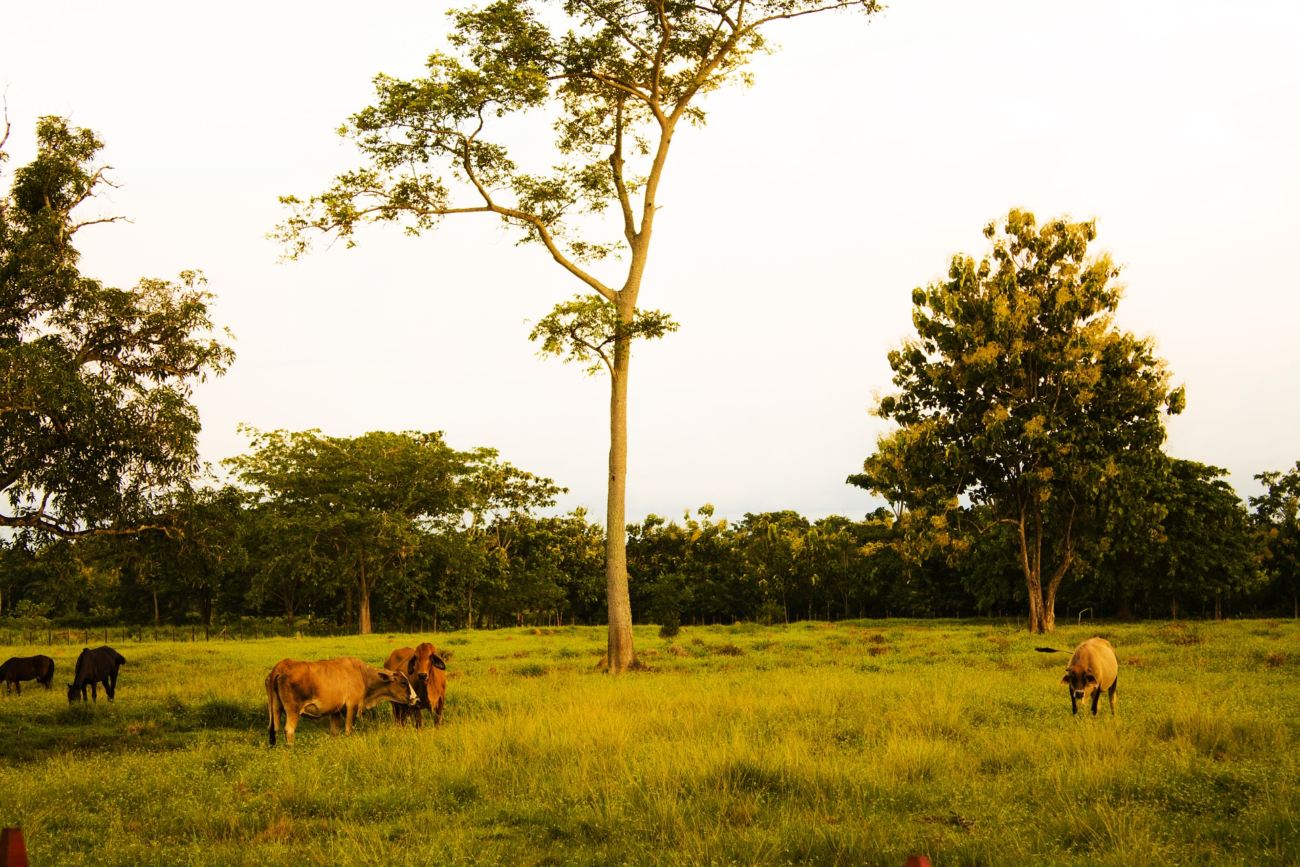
792	231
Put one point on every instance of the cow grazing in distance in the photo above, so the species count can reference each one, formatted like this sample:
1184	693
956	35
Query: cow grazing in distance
95	667
19	668
1094	666
337	688
427	668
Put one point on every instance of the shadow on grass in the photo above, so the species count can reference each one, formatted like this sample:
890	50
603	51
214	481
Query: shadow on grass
109	728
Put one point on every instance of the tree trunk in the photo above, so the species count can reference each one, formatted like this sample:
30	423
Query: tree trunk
157	620
619	649
363	600
1173	607
1049	608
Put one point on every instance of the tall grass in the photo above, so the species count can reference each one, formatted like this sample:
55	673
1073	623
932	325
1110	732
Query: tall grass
852	743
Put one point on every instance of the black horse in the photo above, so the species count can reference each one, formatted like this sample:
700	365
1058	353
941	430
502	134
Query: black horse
94	667
20	668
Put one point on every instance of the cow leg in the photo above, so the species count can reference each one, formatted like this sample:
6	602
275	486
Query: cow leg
350	716
437	713
399	713
334	724
1074	703
290	725
18	685
110	685
1096	696
94	692
418	713
1111	693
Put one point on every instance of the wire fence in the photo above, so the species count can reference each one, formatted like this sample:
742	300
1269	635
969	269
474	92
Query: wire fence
26	636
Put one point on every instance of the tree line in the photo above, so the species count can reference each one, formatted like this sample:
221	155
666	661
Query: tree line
320	539
1026	471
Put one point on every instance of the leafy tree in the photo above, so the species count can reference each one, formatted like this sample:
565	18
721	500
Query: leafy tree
95	382
619	79
366	497
1207	553
1020	394
771	544
1277	513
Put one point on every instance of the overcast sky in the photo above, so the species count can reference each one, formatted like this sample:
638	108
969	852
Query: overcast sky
793	227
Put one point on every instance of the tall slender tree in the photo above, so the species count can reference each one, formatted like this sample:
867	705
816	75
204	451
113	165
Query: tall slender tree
618	78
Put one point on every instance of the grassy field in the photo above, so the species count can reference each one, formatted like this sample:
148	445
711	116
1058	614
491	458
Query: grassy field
847	743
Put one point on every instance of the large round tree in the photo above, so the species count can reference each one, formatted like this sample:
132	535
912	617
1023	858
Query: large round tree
95	382
1018	392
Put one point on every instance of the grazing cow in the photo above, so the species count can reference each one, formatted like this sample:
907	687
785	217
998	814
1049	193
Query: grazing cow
427	668
1092	665
94	667
338	688
19	668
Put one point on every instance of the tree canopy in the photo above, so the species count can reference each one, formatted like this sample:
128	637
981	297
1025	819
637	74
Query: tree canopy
368	503
95	382
1019	393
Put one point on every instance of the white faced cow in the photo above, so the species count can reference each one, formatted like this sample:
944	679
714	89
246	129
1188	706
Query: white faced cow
336	688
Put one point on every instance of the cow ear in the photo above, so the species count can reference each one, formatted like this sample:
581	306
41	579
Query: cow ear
438	662
385	674
1066	679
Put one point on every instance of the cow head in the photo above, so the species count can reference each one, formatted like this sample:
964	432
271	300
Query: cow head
427	668
1078	679
396	686
74	693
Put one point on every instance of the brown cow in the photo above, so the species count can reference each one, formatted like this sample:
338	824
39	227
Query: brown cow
19	668
1092	665
427	668
337	688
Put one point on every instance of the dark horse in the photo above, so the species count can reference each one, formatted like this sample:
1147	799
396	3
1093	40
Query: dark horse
20	668
94	667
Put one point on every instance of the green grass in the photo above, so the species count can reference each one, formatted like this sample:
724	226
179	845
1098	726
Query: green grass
852	743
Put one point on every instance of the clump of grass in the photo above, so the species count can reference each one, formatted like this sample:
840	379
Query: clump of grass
532	669
728	650
1180	634
224	713
1220	734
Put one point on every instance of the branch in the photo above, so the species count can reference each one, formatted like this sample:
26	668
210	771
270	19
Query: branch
616	165
536	222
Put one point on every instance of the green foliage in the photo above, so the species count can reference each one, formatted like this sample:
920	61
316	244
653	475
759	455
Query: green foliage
1019	394
369	507
586	328
95	382
1276	515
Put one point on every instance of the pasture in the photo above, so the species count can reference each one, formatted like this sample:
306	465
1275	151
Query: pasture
846	743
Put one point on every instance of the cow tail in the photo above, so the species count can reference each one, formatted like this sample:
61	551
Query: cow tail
1048	650
272	704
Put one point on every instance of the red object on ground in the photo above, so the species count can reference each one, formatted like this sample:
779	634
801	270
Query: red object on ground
13	851
917	861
